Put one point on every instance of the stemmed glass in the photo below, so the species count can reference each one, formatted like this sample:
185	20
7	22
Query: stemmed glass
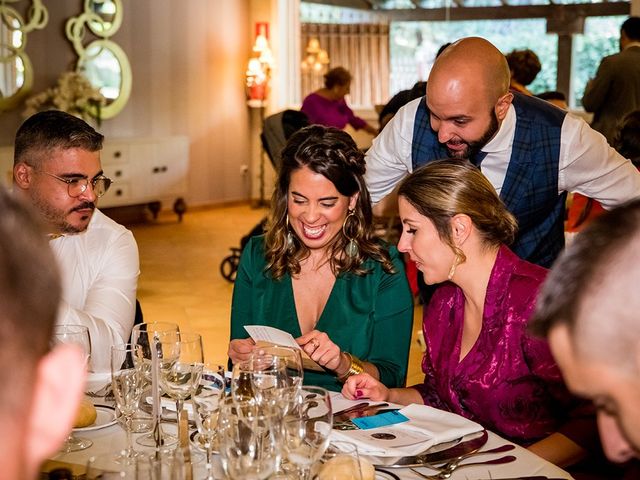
181	362
241	384
74	335
339	462
306	428
143	335
249	447
206	404
127	389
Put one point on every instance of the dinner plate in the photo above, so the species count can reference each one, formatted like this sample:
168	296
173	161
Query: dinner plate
106	416
384	475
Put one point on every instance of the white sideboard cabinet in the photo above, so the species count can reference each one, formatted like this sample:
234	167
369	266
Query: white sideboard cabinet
145	171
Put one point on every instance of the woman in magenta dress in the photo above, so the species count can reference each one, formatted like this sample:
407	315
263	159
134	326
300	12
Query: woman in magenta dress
328	107
480	362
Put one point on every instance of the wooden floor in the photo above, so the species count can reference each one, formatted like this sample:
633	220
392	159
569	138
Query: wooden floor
180	280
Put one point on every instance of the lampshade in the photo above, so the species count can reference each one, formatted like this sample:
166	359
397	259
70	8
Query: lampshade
316	58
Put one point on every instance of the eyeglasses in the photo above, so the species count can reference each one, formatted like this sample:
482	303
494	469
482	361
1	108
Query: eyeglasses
77	186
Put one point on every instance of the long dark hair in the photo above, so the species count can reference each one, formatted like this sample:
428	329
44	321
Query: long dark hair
333	154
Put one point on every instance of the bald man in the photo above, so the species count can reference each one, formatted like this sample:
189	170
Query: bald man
532	152
589	308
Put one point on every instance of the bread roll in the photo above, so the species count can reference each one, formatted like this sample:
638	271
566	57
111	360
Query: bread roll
342	467
86	415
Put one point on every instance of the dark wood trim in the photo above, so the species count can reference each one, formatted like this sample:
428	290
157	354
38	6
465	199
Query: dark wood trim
488	13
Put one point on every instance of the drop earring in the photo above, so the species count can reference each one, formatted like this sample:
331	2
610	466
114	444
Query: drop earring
289	239
456	261
351	249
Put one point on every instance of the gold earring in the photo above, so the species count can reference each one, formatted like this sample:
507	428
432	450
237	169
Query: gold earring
289	240
351	249
454	265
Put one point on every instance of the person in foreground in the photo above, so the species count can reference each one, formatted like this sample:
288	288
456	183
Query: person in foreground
589	307
57	168
328	107
479	361
532	152
41	387
320	274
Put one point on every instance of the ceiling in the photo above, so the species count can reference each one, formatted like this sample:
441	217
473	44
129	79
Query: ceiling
433	10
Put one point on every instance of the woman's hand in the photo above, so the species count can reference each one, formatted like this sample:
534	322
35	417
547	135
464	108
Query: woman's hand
364	386
321	349
240	349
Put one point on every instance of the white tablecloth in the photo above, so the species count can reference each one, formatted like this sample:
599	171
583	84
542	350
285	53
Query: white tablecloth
112	439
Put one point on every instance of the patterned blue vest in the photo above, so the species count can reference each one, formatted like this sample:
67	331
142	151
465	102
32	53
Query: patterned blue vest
530	189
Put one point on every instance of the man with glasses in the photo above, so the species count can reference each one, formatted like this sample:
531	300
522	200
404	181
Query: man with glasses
57	167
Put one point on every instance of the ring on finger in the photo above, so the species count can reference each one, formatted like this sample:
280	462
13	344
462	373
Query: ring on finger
315	343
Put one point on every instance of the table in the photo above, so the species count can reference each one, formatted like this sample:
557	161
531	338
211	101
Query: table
112	438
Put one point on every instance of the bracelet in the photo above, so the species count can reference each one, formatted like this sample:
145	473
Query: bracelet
355	367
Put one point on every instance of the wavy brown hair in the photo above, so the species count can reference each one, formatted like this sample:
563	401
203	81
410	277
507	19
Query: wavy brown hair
333	154
444	188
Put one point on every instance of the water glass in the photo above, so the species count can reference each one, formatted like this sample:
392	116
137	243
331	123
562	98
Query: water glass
77	335
105	467
126	382
249	447
306	428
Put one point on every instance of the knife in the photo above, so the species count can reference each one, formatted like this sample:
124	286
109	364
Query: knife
535	477
472	445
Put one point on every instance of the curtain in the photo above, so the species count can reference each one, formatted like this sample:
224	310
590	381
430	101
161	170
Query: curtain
363	49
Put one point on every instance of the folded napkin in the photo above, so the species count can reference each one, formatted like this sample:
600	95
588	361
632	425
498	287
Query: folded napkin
426	427
96	381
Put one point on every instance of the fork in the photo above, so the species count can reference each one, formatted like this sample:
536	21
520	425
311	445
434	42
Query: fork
444	474
454	462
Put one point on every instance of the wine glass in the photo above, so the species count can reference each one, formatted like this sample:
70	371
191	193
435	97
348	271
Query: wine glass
74	335
249	447
241	385
181	362
306	428
288	357
206	404
127	390
143	335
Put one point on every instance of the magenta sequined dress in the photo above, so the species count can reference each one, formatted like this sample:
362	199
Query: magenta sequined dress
508	382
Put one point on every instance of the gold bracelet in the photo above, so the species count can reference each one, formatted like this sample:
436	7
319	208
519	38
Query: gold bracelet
355	367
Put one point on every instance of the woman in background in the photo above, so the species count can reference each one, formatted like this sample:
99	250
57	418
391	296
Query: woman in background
320	274
480	362
525	66
328	107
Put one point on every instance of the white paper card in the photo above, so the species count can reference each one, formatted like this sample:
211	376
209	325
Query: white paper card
271	335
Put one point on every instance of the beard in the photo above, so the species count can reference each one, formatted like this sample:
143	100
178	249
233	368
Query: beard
474	146
56	217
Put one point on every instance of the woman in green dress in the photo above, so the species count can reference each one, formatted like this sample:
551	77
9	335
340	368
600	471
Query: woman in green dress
320	273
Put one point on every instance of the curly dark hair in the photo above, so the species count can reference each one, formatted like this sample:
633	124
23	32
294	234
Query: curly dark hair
333	154
524	65
336	76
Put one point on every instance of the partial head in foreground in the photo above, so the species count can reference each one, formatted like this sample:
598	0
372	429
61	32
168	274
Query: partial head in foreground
41	387
589	307
320	204
468	95
57	166
443	205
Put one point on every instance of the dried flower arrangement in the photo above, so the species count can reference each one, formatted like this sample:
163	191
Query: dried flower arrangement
73	94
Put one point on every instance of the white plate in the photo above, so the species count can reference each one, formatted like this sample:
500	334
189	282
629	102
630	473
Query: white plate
96	381
106	417
385	475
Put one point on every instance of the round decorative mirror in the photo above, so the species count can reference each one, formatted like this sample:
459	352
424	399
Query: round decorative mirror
16	74
102	61
106	66
106	18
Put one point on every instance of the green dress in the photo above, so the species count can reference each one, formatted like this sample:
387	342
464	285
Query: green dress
368	316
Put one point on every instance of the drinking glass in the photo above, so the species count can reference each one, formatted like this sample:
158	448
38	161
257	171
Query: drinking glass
143	335
340	462
206	405
249	447
289	358
74	335
241	385
164	466
181	362
127	390
306	428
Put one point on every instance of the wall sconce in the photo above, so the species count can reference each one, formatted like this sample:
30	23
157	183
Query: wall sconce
317	58
259	67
